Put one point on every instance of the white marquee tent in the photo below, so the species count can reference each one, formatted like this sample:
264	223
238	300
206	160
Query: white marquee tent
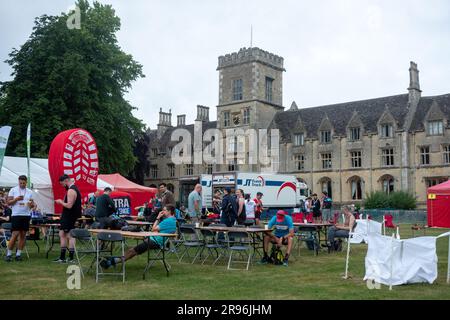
41	183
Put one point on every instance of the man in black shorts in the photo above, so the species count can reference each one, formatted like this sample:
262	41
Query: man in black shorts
20	199
71	212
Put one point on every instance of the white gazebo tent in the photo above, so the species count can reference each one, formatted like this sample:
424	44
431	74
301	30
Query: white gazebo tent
41	183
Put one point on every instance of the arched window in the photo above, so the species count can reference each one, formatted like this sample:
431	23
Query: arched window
326	185
387	183
356	187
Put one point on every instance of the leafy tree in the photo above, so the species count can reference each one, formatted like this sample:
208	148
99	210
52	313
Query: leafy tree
67	78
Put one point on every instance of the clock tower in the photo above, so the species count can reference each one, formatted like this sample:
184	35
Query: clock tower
250	91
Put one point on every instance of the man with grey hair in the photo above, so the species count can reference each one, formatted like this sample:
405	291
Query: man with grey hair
341	230
195	203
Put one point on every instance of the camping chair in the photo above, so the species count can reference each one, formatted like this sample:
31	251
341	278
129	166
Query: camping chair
210	243
84	246
309	217
388	223
190	240
109	238
6	236
416	228
240	244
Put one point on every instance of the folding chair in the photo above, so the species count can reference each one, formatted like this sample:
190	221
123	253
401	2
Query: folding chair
190	240
307	234
109	238
239	245
6	236
174	244
84	246
210	243
388	223
159	252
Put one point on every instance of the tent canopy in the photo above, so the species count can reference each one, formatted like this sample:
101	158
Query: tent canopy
443	188
139	193
41	183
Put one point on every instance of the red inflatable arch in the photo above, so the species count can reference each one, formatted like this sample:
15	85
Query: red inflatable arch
73	152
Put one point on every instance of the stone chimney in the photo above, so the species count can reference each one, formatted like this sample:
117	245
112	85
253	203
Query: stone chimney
414	85
181	120
202	113
165	121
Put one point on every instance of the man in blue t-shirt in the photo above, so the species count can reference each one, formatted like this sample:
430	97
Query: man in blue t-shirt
165	223
283	235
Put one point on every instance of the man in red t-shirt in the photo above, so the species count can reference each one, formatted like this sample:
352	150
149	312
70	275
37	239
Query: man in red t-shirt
258	207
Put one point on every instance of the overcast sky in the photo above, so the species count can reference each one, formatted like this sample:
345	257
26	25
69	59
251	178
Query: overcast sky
334	51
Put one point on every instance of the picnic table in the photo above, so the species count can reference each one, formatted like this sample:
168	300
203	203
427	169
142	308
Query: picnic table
315	229
252	231
143	235
142	224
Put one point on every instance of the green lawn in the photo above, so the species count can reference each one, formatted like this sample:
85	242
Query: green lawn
307	277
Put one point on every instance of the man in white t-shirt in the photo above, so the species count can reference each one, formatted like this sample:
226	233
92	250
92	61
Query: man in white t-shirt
249	207
20	199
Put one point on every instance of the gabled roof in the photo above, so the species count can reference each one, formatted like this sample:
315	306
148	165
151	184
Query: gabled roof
340	114
425	103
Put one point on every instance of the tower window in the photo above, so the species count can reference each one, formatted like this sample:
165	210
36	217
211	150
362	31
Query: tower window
269	87
299	160
446	154
226	119
246	118
237	89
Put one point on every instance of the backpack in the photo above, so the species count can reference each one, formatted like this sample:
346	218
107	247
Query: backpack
276	256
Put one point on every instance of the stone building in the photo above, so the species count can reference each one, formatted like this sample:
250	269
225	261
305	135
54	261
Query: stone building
400	142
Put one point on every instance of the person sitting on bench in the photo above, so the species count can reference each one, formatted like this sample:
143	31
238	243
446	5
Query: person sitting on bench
341	230
284	234
165	223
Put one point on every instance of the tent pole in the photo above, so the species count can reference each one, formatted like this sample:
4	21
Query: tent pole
348	255
392	256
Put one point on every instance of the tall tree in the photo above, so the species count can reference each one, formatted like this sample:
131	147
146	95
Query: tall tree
67	78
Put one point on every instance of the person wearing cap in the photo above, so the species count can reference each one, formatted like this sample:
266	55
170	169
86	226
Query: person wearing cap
229	208
71	212
258	207
283	235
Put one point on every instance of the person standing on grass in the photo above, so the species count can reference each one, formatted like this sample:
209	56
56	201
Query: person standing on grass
228	208
166	196
316	208
241	213
71	212
20	199
258	207
164	223
195	203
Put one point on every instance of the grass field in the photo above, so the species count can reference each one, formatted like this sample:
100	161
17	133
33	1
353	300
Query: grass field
306	277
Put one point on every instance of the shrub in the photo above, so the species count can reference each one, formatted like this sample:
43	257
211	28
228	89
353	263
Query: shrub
376	200
400	200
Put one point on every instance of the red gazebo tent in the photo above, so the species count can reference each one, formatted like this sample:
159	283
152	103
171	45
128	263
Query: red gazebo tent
140	194
438	205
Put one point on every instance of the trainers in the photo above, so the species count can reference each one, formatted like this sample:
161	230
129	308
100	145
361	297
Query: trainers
106	263
59	260
285	262
72	261
8	259
264	260
18	258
